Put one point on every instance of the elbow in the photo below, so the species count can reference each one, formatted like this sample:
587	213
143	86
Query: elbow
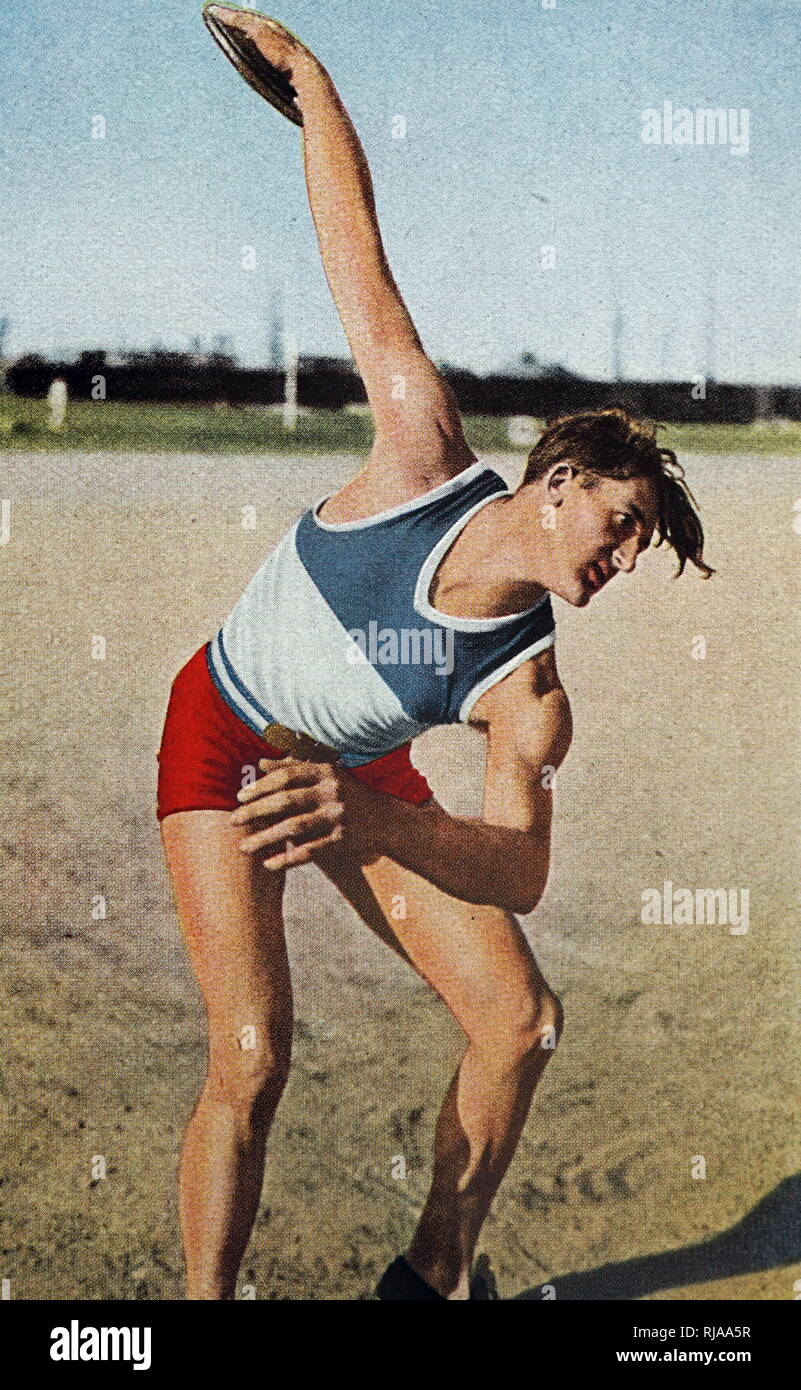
519	886
522	904
516	898
528	883
523	898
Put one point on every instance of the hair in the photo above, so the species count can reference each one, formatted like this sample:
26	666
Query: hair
610	443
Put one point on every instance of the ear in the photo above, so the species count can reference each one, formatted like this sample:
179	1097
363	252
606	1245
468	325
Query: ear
556	480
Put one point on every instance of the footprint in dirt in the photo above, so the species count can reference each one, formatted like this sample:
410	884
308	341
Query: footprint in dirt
405	1130
572	1096
612	1174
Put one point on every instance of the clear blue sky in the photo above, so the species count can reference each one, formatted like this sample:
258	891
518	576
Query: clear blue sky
139	236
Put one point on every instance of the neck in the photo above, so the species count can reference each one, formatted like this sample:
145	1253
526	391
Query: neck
487	573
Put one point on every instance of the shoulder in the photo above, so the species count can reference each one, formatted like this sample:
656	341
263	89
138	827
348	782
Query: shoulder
523	697
529	725
389	482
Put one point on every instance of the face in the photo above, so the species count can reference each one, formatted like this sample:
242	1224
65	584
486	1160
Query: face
598	531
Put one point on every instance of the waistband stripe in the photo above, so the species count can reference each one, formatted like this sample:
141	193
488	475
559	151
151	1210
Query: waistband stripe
233	690
240	685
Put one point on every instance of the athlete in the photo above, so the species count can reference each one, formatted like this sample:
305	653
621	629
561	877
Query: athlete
416	595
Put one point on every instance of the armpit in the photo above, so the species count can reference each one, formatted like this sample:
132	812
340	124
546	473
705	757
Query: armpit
544	675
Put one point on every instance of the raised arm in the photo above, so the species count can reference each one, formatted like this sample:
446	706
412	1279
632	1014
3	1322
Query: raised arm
410	400
413	406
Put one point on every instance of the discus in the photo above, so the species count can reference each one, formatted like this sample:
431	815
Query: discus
260	74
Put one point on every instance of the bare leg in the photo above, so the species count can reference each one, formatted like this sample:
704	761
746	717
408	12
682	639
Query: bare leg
479	962
230	913
477	1132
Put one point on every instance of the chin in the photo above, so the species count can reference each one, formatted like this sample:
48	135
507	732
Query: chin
575	593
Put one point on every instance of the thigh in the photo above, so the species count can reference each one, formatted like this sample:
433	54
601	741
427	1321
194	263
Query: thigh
230	911
476	958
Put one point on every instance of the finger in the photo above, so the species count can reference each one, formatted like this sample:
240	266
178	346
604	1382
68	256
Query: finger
289	773
296	828
277	805
287	802
290	767
302	854
302	828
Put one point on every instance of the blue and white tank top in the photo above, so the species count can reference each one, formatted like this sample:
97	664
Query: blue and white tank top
335	635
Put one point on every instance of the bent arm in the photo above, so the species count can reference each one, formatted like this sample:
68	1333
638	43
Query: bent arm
503	858
466	857
500	860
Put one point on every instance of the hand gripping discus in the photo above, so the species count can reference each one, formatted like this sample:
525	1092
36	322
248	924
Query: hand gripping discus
250	63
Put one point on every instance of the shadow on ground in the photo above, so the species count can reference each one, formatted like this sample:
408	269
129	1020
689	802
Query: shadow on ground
769	1237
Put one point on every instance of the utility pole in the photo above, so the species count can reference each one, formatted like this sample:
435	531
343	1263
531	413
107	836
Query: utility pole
275	333
289	338
618	317
711	330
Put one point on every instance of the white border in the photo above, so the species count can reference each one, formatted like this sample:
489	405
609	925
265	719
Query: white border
441	490
470	700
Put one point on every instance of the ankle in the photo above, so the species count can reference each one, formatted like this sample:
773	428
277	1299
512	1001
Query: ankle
449	1278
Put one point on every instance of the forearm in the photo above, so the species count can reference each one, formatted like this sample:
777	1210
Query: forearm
469	858
342	202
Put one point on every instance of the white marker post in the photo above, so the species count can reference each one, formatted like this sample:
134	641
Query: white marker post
290	380
57	401
521	431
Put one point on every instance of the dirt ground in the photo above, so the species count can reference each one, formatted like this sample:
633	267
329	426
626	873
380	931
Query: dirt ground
681	1042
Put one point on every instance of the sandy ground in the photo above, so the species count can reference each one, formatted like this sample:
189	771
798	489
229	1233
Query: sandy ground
680	1041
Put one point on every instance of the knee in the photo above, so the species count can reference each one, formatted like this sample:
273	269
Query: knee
529	1028
549	1023
248	1081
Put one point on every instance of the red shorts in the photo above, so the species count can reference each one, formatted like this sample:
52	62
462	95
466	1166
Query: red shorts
205	749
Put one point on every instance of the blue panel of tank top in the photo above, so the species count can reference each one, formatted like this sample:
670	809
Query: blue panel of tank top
371	574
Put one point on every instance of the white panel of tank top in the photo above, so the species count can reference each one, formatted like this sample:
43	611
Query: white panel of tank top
292	653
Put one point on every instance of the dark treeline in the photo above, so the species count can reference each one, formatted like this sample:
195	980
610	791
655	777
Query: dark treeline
327	383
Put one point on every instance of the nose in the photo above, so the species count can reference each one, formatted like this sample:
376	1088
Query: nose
625	555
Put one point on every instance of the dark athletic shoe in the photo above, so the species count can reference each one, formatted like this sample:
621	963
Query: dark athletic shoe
399	1280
